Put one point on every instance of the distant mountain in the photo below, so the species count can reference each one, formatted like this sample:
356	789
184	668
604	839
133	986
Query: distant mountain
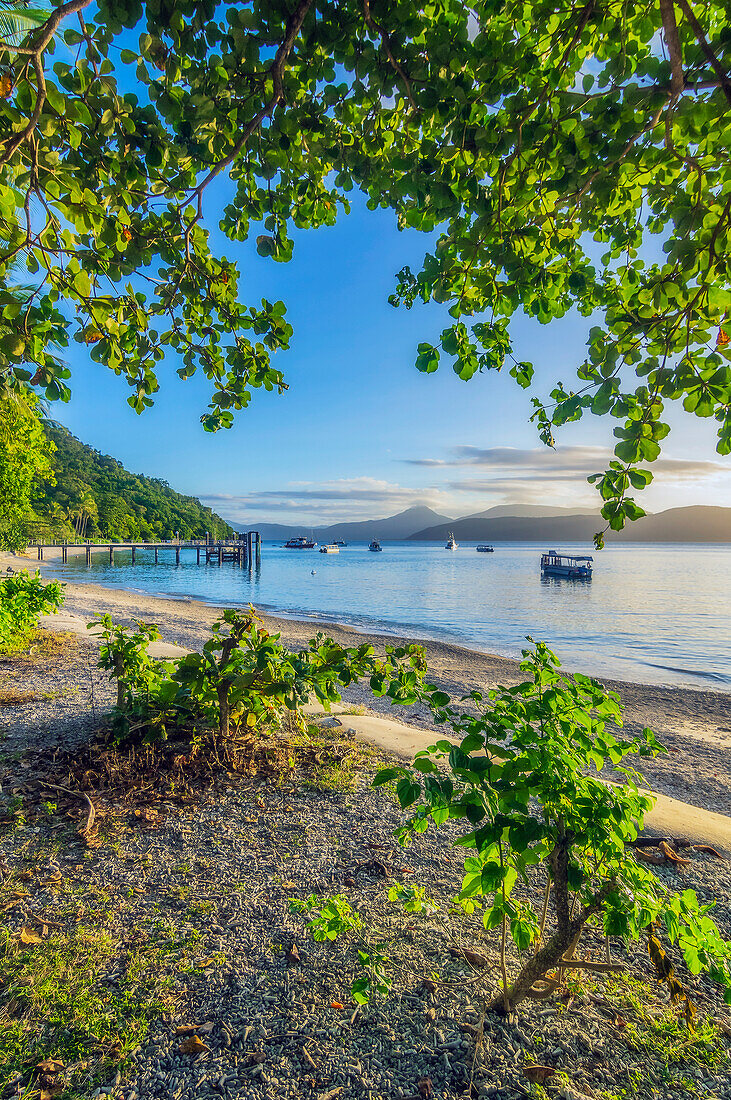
528	510
699	523
392	528
694	524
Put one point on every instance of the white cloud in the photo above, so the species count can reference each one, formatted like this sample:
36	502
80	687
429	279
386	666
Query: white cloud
327	501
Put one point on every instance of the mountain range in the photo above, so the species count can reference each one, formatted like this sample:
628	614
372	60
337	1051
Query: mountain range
521	523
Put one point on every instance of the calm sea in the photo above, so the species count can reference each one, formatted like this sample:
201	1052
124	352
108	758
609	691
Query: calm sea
651	614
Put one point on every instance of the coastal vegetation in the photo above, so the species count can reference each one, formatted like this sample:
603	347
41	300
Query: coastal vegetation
25	458
92	495
23	599
566	160
209	837
60	488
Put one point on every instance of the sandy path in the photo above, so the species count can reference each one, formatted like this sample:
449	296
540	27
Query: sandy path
694	725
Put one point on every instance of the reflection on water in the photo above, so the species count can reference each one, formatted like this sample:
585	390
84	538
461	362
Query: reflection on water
654	614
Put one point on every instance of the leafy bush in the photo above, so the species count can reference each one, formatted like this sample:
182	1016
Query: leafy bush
521	777
242	675
23	599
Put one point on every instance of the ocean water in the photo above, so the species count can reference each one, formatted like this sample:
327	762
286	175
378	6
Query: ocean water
651	614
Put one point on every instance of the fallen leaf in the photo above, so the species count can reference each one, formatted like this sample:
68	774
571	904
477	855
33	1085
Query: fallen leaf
708	850
428	986
192	1045
425	1088
50	1065
30	936
619	1021
336	1004
430	1013
206	1028
292	955
348	881
472	957
538	1074
186	1029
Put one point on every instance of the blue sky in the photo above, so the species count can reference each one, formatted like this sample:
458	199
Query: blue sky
361	433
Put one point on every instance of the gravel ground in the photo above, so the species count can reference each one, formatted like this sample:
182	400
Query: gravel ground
218	877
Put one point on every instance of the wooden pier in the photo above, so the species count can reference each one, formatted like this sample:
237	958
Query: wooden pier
243	550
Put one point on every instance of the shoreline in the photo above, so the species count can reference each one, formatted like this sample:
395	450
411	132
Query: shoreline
403	633
694	724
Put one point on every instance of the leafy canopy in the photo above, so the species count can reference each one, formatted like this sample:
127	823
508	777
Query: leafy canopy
571	158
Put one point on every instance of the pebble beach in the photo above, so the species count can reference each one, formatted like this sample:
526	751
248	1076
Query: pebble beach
216	880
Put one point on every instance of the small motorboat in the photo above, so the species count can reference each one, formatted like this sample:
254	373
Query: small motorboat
485	549
451	543
375	546
573	566
339	542
301	542
332	548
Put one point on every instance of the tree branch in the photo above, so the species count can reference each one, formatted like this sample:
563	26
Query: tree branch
711	57
276	71
35	56
381	31
672	42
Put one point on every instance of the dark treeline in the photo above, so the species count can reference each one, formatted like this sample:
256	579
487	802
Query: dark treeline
94	496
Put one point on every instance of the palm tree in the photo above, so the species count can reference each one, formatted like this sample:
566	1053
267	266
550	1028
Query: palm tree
17	20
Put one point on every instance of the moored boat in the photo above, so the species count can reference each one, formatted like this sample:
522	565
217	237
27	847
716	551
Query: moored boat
332	548
451	543
301	542
339	542
485	549
375	545
573	566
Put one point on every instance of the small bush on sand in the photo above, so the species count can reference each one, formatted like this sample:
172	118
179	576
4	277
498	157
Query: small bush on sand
522	780
243	680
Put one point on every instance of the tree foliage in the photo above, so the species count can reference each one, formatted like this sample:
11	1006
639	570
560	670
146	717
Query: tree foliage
523	780
570	158
24	457
93	495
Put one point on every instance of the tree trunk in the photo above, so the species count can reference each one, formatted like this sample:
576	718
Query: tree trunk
224	712
566	934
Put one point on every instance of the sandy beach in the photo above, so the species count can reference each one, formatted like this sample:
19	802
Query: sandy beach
695	726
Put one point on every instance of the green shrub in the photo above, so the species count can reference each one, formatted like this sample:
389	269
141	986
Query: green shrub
23	599
243	675
521	778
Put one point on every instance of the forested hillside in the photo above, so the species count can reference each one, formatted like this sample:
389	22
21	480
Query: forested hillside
94	496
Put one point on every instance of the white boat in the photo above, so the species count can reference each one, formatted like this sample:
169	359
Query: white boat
300	542
375	545
485	549
451	543
330	549
573	566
